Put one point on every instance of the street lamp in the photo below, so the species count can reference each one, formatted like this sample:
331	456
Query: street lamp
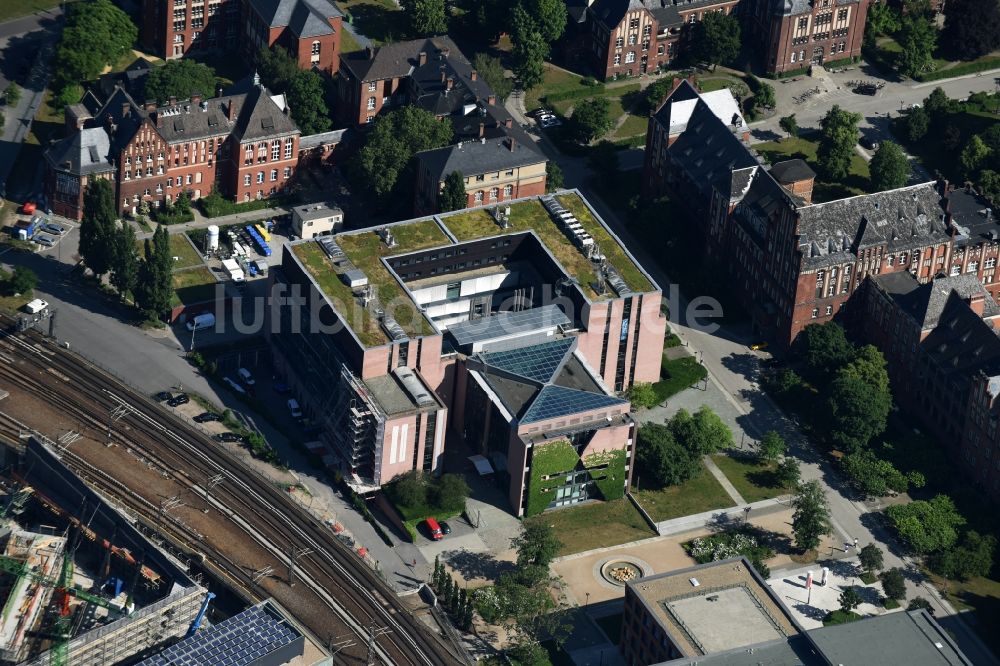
746	515
587	602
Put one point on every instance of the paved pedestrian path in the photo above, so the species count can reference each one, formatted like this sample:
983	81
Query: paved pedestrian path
723	481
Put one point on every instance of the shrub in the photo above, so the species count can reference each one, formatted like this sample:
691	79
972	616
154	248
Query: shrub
734	543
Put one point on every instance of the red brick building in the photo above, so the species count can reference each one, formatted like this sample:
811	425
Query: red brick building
429	73
794	34
634	37
244	144
943	356
790	262
308	29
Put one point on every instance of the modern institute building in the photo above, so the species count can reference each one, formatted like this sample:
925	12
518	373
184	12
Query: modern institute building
724	614
308	29
635	37
245	144
511	332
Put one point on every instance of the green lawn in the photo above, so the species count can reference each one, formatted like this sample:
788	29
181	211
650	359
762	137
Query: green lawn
554	81
969	120
348	43
11	9
788	148
679	374
700	493
379	20
619	521
195	285
181	248
633	126
753	481
981	596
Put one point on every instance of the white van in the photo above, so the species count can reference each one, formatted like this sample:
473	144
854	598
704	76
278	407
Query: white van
206	320
293	407
245	376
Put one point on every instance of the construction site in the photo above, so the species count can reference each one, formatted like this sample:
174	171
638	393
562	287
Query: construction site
78	582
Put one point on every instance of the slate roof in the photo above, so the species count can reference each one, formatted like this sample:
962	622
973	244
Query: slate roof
611	12
187	122
901	219
666	12
791	171
305	18
476	157
83	153
926	303
430	86
399	59
260	117
121	111
793	7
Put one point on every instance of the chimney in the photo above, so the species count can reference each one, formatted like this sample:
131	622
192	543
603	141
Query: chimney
159	119
218	90
977	303
491	100
422	58
370	52
473	75
449	82
195	98
150	105
231	111
172	100
511	143
509	122
482	129
126	108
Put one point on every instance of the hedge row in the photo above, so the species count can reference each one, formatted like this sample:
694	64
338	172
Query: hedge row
843	62
960	70
789	73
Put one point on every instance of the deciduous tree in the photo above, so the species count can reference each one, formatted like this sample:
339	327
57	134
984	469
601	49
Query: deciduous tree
971	558
553	177
788	472
661	459
889	167
536	545
849	599
179	78
591	119
154	284
22	280
811	520
893	584
883	19
453	195
825	348
926	526
492	72
789	124
871	558
124	263
549	15
859	399
917	123
306	103
12	93
716	38
839	134
450	492
974	155
772	446
392	142
427	17
917	38
529	53
971	28
276	68
764	97
96	34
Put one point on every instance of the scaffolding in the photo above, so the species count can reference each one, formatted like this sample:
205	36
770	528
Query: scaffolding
358	437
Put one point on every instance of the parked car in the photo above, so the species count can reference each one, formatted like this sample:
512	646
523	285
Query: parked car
178	400
162	395
434	529
294	409
445	528
245	376
229	437
205	417
44	239
53	228
540	112
281	387
549	121
869	143
234	385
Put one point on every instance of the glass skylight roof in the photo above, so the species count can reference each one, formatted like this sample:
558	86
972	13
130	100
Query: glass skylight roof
555	401
536	362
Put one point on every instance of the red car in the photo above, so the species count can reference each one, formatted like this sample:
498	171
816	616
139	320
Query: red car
28	208
434	529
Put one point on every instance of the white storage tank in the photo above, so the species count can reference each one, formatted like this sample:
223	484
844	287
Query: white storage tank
213	238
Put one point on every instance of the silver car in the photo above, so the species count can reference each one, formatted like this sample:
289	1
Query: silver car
45	239
53	228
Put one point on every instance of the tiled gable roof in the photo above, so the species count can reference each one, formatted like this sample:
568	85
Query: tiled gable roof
477	157
260	117
306	18
84	152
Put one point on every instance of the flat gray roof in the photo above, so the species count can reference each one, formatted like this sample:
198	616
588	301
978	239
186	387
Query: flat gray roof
720	620
316	210
506	324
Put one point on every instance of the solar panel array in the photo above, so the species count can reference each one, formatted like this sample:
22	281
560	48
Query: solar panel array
237	641
555	401
537	362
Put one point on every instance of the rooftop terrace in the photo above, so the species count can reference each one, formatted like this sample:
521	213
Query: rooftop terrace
365	249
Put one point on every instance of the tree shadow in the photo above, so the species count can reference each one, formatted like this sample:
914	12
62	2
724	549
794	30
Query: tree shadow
379	23
811	612
765	135
20	53
477	565
842	568
746	365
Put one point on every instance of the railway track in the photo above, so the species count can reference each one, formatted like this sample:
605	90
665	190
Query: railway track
360	604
